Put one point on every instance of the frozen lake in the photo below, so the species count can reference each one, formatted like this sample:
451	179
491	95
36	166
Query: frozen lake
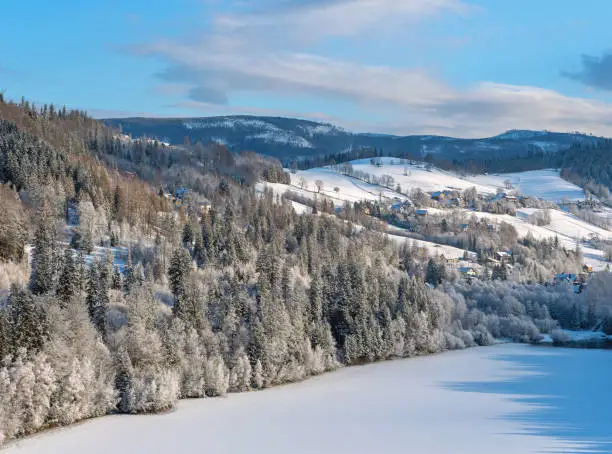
502	399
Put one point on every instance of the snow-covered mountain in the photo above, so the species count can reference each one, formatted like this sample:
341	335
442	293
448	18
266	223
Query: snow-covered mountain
290	137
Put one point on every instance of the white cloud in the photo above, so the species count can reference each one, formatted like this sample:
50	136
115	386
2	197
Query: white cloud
340	17
260	52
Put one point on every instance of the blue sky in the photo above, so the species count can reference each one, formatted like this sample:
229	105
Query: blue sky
460	67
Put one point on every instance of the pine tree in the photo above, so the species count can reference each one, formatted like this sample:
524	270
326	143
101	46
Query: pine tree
433	273
116	285
96	300
178	272
68	283
27	321
187	235
44	254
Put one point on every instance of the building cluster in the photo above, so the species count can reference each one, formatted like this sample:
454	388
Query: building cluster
577	281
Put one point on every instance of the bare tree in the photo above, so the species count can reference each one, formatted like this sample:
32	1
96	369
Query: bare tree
303	182
319	184
337	190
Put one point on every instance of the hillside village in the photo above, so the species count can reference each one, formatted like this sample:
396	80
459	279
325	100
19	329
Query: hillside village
453	209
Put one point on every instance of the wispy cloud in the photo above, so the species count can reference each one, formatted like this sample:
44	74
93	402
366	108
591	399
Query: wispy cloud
268	51
318	18
596	72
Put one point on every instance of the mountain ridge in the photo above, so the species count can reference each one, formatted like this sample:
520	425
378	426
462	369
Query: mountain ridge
287	138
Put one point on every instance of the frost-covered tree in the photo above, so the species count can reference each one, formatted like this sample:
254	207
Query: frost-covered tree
44	258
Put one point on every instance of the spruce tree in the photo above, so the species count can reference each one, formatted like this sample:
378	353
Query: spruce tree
116	285
96	300
68	283
27	321
44	253
178	272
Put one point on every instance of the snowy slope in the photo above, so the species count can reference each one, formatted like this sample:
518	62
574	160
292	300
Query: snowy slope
567	224
351	189
354	190
505	399
567	228
419	177
545	184
433	249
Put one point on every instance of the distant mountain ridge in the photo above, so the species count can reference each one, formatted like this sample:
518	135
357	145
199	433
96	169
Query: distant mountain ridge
291	138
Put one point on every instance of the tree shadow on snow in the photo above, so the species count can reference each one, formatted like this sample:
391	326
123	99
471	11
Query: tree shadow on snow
568	393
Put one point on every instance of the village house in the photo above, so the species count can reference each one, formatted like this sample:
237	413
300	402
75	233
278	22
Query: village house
468	271
502	257
401	207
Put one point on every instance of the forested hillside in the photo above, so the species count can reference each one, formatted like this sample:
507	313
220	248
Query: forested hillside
590	167
135	274
294	139
306	144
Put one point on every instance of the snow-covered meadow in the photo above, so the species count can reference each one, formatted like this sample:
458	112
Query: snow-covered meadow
503	399
545	184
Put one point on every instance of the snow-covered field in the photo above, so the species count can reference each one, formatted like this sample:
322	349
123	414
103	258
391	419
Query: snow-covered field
433	249
350	189
545	184
353	190
568	228
567	224
418	176
502	399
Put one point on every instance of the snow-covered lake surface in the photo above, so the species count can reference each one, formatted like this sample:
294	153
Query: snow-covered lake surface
502	399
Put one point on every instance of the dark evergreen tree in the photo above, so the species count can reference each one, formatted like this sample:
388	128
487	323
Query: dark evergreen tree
44	260
68	283
27	321
178	272
96	300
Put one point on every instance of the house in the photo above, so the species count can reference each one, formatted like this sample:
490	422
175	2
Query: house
565	277
421	212
180	192
502	257
587	269
464	227
468	271
401	207
498	197
437	195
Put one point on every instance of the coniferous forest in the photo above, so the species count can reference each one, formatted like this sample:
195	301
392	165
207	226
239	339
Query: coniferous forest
134	274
